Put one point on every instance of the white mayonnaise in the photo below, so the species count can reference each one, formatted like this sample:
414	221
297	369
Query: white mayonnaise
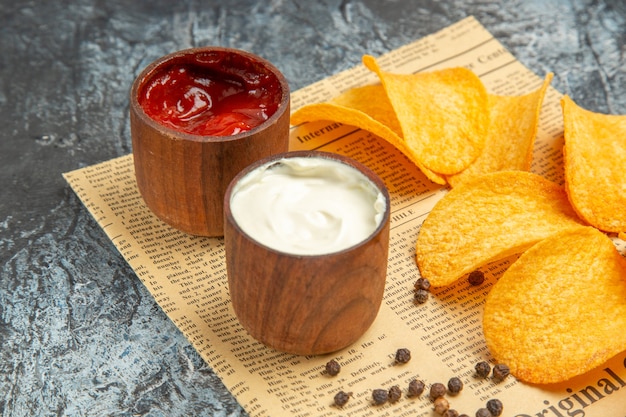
307	206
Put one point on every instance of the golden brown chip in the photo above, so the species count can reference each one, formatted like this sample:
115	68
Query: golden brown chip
511	134
489	218
443	114
369	100
595	157
560	309
367	108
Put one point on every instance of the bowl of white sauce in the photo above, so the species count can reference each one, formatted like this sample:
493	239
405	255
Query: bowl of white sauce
306	238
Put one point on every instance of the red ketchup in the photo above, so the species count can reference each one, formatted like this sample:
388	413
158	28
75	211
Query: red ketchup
210	101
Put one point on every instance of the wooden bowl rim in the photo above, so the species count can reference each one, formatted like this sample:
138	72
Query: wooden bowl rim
154	66
364	169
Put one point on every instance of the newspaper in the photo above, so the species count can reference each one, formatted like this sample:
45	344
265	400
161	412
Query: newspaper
187	276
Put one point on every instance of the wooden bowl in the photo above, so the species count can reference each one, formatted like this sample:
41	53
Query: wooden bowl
306	304
182	177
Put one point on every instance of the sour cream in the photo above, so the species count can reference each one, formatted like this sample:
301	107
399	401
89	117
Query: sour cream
307	206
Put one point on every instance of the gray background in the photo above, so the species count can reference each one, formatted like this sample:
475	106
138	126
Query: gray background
79	334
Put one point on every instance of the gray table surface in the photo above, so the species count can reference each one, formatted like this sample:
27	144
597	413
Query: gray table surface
79	334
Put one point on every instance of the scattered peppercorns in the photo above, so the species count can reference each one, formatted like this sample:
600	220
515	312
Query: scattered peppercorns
441	405
483	412
421	296
394	394
333	367
483	369
463	415
500	371
437	390
495	407
455	385
422	284
403	355
380	396
476	277
416	388
422	288
341	398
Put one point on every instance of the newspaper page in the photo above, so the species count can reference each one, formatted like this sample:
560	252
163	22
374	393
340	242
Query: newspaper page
187	274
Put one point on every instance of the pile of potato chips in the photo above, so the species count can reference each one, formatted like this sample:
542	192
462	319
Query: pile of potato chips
504	212
444	121
543	316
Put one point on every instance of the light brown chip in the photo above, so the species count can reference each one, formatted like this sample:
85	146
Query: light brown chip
511	134
595	158
443	114
489	218
367	108
560	309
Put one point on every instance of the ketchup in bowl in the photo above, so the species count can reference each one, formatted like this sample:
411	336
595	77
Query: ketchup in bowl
198	117
216	95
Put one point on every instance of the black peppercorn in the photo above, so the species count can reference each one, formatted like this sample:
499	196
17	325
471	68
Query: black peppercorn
455	385
500	371
403	355
416	388
421	296
495	407
333	367
483	369
463	415
483	412
422	284
451	413
437	390
441	405
476	277
394	394
341	398
380	396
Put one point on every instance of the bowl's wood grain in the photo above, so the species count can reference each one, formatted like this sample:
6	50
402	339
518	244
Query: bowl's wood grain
306	305
182	177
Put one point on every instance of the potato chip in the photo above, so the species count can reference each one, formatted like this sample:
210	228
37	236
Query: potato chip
367	108
560	309
511	135
489	218
443	114
595	157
